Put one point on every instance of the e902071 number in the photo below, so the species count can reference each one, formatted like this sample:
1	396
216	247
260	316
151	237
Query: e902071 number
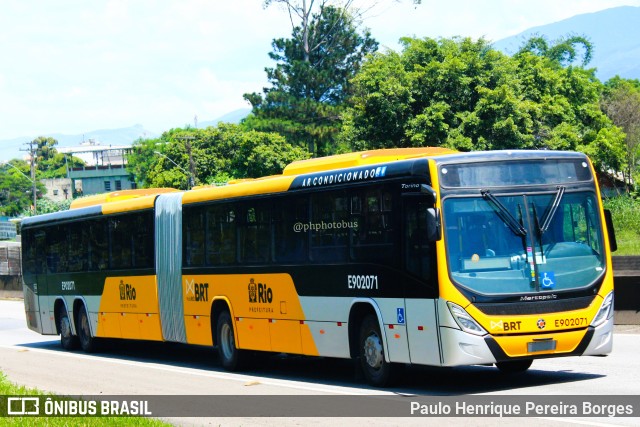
574	321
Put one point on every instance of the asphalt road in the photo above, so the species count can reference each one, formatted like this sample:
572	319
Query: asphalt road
143	368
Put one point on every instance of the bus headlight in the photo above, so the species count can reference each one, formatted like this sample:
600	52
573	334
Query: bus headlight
605	312
464	320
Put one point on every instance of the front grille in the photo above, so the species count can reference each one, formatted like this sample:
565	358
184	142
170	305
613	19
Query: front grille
534	307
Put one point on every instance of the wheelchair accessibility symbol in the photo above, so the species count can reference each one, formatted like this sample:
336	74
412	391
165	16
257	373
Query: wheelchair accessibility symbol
548	280
400	316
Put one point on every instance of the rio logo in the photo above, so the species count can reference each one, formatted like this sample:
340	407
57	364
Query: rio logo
127	292
259	293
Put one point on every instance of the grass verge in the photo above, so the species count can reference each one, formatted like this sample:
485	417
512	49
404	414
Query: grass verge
9	389
626	222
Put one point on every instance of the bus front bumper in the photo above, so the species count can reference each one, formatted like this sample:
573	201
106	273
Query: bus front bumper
460	348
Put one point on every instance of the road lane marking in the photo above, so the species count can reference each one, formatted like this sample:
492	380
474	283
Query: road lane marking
580	421
217	375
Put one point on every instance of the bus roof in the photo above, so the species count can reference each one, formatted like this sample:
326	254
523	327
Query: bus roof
500	155
115	196
292	177
361	158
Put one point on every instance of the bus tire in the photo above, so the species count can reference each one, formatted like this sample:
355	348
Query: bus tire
514	366
230	356
377	371
87	342
68	341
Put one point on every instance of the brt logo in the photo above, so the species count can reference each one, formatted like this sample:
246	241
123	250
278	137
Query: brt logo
127	292
259	293
506	326
197	291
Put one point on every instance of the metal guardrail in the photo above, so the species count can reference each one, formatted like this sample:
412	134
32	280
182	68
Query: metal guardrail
626	266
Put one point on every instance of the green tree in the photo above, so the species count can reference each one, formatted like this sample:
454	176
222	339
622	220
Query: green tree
564	51
49	162
57	166
311	80
16	188
45	148
50	206
236	152
220	153
143	158
621	103
462	94
163	161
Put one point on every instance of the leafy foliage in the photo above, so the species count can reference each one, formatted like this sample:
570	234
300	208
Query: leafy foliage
16	188
49	162
625	213
563	51
311	81
463	94
621	102
48	206
220	154
16	185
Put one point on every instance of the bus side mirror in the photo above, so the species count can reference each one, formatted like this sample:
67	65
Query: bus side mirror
613	244
434	228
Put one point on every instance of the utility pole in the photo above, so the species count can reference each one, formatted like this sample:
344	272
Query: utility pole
192	165
32	155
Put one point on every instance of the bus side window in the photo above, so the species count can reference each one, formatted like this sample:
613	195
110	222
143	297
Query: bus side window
121	243
98	245
418	250
291	240
57	249
193	236
371	225
78	245
329	226
143	240
34	251
221	243
255	234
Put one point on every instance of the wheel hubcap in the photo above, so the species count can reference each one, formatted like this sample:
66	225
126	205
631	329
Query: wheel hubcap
85	327
373	351
227	341
65	327
84	332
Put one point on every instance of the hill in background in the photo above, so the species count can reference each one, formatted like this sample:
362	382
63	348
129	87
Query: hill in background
614	33
10	148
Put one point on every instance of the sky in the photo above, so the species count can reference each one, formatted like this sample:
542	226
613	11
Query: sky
73	66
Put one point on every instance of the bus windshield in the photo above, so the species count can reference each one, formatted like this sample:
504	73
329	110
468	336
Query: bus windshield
524	243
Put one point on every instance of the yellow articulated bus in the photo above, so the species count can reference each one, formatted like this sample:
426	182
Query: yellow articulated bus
408	256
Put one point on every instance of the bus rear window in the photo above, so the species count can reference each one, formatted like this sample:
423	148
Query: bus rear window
510	173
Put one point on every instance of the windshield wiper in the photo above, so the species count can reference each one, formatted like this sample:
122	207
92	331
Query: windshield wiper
551	211
539	229
504	214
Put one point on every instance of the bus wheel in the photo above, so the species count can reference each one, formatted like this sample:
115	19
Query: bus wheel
230	356
68	341
514	366
87	342
377	371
